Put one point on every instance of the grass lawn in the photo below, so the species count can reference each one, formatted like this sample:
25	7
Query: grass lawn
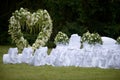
27	72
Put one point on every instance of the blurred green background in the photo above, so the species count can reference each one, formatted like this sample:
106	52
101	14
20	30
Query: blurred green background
69	16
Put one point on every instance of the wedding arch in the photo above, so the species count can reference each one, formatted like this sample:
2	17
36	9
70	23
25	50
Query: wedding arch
39	20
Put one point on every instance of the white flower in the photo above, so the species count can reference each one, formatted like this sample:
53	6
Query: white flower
91	38
61	38
45	11
28	17
118	40
21	9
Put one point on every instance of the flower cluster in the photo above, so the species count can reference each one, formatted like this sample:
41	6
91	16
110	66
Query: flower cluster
91	38
61	38
118	40
38	21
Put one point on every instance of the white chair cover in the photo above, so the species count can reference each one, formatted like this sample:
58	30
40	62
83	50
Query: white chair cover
40	56
11	57
27	55
74	41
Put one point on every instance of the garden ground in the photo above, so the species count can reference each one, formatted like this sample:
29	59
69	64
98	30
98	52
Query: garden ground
28	72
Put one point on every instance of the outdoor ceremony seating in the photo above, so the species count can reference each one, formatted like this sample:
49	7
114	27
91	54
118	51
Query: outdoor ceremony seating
27	55
104	56
39	57
11	57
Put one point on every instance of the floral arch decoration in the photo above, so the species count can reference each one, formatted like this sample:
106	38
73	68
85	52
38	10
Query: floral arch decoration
39	20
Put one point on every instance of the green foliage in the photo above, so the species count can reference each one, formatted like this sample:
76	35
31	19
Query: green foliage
91	38
50	44
70	16
30	37
61	38
72	28
5	39
118	40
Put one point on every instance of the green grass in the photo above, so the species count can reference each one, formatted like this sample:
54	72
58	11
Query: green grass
27	72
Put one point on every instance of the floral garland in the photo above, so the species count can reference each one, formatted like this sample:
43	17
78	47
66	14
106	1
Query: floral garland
37	21
61	38
118	40
91	38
